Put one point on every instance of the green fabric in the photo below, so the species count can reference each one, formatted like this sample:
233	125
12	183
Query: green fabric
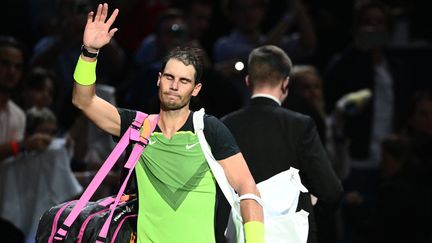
85	72
254	232
176	191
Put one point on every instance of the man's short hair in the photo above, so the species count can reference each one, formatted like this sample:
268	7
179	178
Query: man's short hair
268	65
10	41
188	56
36	116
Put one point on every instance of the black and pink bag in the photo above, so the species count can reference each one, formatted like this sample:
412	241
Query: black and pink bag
110	219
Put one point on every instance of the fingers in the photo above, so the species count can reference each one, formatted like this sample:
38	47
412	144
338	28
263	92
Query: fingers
104	12
98	12
112	32
90	17
113	16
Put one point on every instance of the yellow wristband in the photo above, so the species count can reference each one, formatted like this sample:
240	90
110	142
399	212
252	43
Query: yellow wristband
254	232
85	72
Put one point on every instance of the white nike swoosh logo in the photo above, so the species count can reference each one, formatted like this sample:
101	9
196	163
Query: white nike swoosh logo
189	146
151	142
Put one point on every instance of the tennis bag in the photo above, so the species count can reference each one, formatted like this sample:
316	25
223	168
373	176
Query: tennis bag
90	220
110	219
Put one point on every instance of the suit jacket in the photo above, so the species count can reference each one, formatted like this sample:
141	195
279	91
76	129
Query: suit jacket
273	138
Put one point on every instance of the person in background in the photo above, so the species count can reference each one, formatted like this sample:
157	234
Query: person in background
294	33
39	89
273	138
173	178
56	51
367	64
47	171
12	117
306	81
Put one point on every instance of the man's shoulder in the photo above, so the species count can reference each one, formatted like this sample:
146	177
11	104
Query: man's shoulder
277	112
292	115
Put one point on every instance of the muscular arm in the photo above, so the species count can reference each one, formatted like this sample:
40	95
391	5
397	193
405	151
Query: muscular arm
97	34
241	180
99	111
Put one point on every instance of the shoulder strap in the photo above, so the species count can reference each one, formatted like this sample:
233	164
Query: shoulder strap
216	168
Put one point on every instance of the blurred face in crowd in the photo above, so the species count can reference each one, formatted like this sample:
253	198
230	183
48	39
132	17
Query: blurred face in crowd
177	85
248	14
72	18
42	96
373	29
198	19
309	85
11	68
422	117
173	32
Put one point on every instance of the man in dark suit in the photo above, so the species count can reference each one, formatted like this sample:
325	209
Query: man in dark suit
273	138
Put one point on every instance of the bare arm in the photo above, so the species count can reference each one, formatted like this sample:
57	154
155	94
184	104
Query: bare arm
241	180
97	34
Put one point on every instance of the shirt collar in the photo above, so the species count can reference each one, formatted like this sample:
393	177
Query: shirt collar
267	96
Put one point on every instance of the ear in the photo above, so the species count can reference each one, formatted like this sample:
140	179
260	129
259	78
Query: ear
248	82
196	89
285	85
159	78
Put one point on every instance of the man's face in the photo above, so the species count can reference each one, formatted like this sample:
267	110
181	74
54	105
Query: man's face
11	68
199	19
177	85
248	15
422	117
310	86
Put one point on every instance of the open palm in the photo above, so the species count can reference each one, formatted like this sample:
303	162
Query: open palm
97	32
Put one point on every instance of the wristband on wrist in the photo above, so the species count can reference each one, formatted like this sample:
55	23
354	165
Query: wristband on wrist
254	232
85	52
15	147
85	72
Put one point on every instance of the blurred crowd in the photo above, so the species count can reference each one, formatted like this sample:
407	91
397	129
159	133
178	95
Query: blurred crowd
360	71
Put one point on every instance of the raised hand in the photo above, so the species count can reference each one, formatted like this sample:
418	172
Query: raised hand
97	31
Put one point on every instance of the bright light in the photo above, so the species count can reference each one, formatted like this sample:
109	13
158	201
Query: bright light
239	66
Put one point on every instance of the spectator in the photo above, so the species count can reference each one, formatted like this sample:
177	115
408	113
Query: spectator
39	89
12	126
306	81
247	17
57	51
401	196
48	172
366	64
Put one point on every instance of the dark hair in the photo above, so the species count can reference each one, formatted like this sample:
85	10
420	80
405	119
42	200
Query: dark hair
361	8
168	14
268	64
188	56
298	75
232	5
34	80
10	41
36	116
